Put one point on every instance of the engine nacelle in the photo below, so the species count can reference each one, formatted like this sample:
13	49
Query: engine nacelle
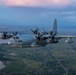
55	41
69	40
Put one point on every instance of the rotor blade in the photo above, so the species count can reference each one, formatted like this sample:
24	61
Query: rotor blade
16	33
4	34
35	31
31	30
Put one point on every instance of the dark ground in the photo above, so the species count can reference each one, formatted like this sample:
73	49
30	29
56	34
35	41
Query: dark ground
54	59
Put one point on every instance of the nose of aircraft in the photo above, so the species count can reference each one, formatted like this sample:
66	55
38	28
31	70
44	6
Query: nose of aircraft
11	42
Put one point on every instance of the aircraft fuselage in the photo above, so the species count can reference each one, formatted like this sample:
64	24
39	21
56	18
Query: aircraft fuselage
26	40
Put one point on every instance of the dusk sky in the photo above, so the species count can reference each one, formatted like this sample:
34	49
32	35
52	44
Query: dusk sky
37	12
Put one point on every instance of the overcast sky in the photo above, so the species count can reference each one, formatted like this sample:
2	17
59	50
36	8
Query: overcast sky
37	12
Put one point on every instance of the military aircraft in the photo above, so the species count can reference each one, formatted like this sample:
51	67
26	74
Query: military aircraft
5	35
36	40
39	39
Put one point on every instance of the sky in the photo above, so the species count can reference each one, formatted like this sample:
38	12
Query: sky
37	12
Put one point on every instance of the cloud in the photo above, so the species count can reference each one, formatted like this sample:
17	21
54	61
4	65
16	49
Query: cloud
70	18
35	16
37	3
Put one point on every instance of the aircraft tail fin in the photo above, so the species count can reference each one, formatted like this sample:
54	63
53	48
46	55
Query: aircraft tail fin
54	27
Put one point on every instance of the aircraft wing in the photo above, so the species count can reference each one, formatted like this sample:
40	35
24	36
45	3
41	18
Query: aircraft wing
67	36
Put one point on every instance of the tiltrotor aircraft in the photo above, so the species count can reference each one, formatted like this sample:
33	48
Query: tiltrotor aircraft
39	39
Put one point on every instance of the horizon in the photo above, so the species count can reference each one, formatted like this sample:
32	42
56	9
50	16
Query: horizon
62	30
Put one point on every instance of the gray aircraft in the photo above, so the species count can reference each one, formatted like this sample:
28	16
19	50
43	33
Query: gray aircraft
39	39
